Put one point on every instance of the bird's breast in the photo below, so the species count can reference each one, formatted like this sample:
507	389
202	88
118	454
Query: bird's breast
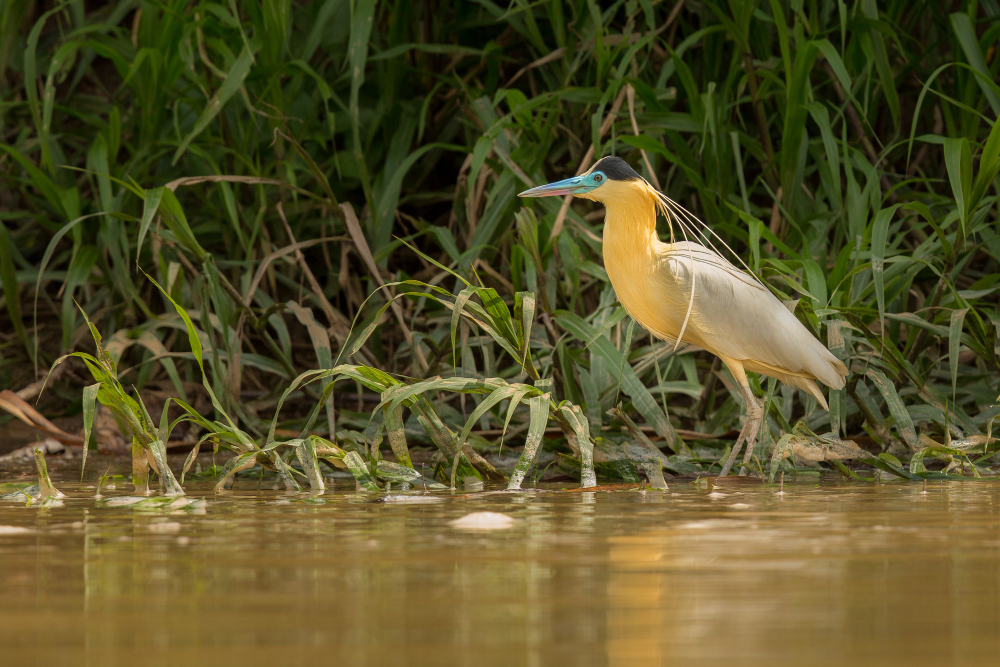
642	286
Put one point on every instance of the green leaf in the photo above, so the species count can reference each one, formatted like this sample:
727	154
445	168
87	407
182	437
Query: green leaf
235	465
836	64
53	242
53	194
433	261
362	19
631	384
395	473
954	340
882	65
305	452
880	232
360	471
442	436
456	314
192	455
195	342
821	117
524	303
89	406
158	452
396	434
989	165
388	197
904	423
799	89
522	391
961	23
958	160
176	221
11	289
232	83
499	315
781	449
321	345
581	429
499	394
150	205
31	78
890	464
917	462
619	315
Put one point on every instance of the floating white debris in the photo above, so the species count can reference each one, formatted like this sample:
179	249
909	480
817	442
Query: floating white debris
122	501
49	445
156	503
164	527
484	521
403	499
14	530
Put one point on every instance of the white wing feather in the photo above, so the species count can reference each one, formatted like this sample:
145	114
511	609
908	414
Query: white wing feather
733	316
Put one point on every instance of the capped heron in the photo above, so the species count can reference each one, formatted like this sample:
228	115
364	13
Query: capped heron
685	291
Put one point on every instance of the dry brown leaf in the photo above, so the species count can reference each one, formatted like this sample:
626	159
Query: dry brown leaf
827	450
17	406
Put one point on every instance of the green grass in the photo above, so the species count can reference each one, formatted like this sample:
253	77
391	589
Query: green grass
271	165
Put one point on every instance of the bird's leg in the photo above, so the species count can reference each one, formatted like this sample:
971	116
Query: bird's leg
754	419
736	448
748	433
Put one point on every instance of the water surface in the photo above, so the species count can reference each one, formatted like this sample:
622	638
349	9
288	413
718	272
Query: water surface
827	573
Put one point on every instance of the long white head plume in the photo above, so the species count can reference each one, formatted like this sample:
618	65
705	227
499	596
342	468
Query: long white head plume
690	224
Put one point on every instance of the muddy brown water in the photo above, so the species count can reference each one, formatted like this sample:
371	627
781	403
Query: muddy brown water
828	573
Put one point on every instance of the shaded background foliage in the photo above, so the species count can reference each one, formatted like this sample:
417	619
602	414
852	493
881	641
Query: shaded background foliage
843	148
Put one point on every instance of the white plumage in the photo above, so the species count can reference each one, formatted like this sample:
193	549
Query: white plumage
731	316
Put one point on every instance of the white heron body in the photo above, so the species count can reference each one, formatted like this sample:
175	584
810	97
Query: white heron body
731	315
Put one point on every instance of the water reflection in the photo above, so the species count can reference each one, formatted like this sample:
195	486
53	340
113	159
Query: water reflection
825	574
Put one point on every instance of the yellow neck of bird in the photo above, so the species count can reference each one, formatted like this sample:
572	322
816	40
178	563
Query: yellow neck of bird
629	222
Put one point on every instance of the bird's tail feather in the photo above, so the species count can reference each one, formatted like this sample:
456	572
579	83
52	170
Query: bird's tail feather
827	368
806	384
813	390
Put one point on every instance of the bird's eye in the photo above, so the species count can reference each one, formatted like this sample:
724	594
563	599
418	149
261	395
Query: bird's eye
598	178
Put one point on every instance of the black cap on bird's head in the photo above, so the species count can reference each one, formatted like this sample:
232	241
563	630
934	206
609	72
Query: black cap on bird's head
606	169
615	168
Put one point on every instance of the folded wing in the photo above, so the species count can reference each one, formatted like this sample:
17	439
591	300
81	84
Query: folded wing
733	316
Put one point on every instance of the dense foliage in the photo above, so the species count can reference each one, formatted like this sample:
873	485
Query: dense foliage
272	164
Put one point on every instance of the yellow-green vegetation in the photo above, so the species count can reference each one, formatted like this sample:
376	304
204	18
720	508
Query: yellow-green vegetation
302	217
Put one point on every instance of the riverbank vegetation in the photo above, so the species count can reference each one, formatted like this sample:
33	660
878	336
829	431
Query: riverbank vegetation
294	226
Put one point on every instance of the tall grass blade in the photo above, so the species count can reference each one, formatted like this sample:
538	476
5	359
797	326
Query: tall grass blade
232	83
538	408
393	424
904	423
642	399
961	23
89	406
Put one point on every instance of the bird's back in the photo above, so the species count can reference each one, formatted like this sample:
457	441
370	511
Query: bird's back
731	315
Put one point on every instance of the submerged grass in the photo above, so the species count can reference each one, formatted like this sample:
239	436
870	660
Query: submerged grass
270	165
